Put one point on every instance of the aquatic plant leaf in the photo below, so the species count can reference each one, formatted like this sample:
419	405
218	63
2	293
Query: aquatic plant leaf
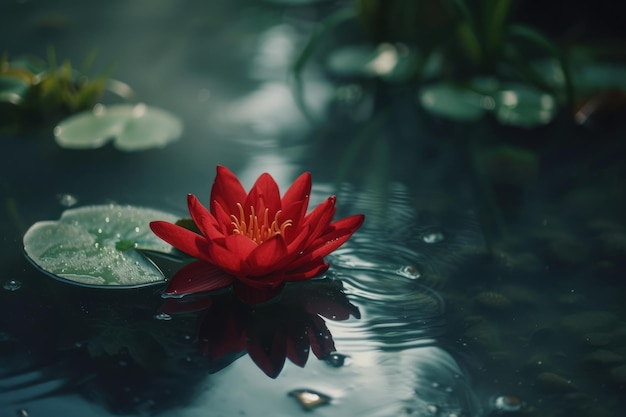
92	245
12	90
524	106
131	127
452	102
385	61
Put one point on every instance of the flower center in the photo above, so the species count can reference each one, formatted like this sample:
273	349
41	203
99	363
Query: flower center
258	228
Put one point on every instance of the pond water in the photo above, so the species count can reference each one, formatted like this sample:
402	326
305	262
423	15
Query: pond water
420	314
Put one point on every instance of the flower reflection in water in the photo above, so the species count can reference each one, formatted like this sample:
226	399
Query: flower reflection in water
288	327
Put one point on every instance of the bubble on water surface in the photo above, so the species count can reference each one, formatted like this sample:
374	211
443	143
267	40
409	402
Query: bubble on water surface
507	404
12	285
338	360
409	271
163	316
433	237
67	200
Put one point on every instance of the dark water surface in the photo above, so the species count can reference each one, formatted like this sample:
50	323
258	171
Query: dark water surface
415	316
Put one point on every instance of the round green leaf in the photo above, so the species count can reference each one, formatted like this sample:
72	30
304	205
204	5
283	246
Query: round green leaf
98	245
12	89
131	127
452	102
385	61
524	106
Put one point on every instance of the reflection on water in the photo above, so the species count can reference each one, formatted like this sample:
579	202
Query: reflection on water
374	323
287	327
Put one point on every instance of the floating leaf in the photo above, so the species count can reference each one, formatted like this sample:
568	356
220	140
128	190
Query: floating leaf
453	102
97	245
131	127
524	106
385	61
13	89
513	104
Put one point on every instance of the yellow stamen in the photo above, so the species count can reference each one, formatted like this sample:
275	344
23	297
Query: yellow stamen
259	232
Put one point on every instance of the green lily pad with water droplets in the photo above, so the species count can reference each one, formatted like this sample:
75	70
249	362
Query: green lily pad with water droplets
512	104
452	102
524	106
387	61
131	128
99	246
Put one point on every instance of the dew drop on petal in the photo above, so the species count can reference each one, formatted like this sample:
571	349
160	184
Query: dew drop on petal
12	285
434	237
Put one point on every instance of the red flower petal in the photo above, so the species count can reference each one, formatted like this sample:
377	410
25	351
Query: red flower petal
222	217
309	270
264	194
182	239
321	339
240	245
203	218
256	295
198	276
221	256
298	191
321	217
269	355
267	254
337	234
295	202
227	191
297	343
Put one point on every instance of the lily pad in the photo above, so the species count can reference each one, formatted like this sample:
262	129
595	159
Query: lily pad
131	127
12	90
524	106
389	62
99	246
452	102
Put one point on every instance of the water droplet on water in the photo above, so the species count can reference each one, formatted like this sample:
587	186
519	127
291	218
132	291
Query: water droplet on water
409	271
338	360
434	237
508	403
12	285
67	200
163	316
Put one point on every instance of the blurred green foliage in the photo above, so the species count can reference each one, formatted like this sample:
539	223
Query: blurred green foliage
34	92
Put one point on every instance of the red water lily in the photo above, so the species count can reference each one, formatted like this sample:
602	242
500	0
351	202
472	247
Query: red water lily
257	239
